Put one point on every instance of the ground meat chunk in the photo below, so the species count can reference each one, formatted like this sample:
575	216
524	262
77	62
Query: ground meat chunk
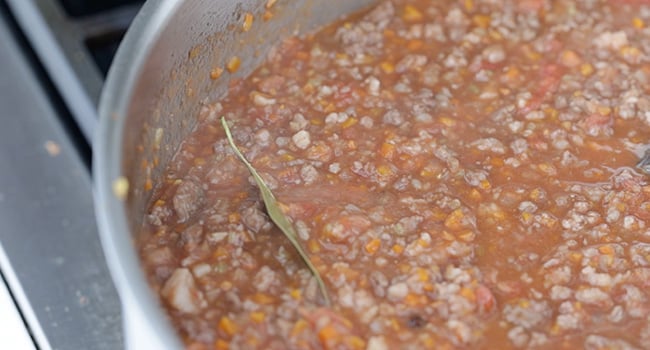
597	342
159	215
527	313
265	278
255	220
393	117
366	36
490	145
494	54
611	40
594	296
181	292
377	343
309	174
301	139
561	292
398	291
188	199
192	236
411	62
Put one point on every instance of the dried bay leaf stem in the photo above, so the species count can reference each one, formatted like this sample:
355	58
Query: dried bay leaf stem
275	213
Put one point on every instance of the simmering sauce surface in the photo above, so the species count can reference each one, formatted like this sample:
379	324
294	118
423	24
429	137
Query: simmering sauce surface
461	173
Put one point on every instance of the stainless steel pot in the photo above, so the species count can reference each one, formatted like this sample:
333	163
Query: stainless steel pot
158	82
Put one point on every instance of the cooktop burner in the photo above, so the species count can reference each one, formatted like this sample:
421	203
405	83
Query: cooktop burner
55	288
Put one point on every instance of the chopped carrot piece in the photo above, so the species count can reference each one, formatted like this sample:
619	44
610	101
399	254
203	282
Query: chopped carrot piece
630	53
373	246
199	161
606	249
475	195
384	170
575	257
263	299
413	299
578	305
302	55
299	327
387	67
233	218
412	14
423	275
551	113
555	329
233	64
296	294
448	236
604	110
387	150
355	342
428	342
485	184
414	45
467	236
395	324
586	69
328	333
195	51
455	220
257	316
468	293
569	58
248	21
482	21
497	161
348	123
448	122
227	326
313	246
221	344
215	73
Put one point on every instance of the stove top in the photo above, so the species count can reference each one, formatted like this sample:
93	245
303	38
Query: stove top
55	288
75	41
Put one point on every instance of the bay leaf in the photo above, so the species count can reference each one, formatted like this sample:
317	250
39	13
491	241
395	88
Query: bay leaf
276	214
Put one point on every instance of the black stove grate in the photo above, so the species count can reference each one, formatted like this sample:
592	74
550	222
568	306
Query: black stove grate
76	41
103	48
79	8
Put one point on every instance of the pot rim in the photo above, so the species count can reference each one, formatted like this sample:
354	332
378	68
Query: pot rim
138	304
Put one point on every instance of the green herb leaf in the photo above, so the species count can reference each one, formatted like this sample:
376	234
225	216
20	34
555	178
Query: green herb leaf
644	163
276	214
